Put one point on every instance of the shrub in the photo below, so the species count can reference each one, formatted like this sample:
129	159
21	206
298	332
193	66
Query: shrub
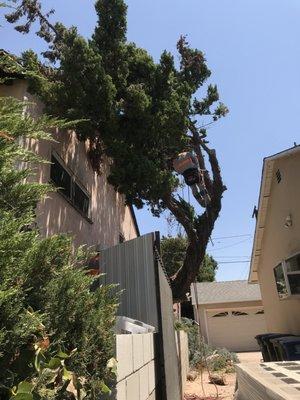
55	333
202	355
222	359
191	329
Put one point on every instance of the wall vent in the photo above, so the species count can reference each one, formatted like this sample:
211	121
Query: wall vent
278	176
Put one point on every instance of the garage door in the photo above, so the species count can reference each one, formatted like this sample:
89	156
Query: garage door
235	329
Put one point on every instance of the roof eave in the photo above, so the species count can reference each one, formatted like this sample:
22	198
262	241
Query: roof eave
263	202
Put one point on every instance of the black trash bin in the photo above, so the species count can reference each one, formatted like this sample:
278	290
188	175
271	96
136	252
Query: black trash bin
289	348
262	346
267	343
277	346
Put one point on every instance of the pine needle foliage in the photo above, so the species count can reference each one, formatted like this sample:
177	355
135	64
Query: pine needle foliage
173	252
139	113
46	305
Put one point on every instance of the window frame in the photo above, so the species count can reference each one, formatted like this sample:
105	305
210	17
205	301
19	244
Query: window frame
66	169
221	314
281	296
286	273
81	187
260	312
238	313
121	238
74	180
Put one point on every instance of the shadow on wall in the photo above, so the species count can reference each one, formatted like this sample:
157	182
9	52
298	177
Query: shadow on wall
56	215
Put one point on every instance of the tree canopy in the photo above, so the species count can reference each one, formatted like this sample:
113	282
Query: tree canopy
173	251
137	113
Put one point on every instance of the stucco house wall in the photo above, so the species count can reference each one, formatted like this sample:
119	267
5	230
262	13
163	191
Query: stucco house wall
280	242
108	218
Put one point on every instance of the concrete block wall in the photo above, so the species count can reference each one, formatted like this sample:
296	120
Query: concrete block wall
136	367
182	348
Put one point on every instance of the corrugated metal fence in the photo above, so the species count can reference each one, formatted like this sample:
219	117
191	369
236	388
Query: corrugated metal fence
146	295
131	266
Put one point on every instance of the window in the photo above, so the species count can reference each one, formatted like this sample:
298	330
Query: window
68	185
60	177
278	176
280	281
293	274
221	314
238	313
287	277
81	199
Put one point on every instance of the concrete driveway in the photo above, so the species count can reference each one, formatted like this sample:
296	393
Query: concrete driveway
253	356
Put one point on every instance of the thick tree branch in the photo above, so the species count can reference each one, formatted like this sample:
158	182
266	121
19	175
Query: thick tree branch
218	186
176	209
197	147
181	282
203	225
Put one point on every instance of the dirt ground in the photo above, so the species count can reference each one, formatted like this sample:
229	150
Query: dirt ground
225	392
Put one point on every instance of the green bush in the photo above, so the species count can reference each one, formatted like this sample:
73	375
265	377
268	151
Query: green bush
202	355
222	359
191	329
55	333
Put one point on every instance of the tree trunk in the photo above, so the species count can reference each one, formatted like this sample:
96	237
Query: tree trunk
187	274
198	229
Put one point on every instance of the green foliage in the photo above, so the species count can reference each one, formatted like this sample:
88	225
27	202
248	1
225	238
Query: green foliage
214	359
110	38
47	309
188	326
52	377
173	253
222	359
208	269
138	111
202	355
9	66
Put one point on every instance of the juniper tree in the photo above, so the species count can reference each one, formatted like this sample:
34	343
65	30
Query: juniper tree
139	113
173	253
46	308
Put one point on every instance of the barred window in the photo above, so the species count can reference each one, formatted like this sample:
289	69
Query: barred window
68	186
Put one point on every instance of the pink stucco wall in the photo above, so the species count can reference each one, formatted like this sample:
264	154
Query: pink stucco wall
108	213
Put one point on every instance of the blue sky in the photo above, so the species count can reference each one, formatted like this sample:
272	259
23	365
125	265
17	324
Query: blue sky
252	49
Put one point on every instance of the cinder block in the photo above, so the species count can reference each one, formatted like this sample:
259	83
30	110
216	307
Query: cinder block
151	374
133	387
138	351
144	383
121	390
124	356
151	345
147	347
